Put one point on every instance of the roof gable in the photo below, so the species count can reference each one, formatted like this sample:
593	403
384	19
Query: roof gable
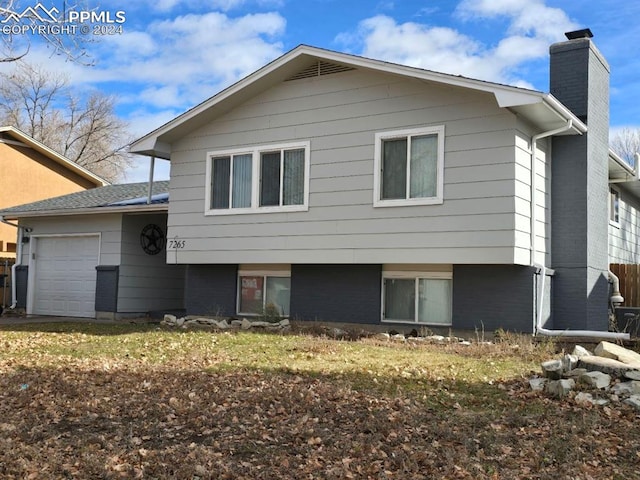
541	109
12	135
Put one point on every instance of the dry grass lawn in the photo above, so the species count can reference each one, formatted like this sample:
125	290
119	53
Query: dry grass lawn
131	401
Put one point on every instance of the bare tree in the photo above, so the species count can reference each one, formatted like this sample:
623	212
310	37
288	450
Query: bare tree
626	143
85	130
24	23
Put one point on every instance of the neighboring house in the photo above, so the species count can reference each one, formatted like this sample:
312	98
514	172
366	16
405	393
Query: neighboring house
624	212
338	188
31	171
98	253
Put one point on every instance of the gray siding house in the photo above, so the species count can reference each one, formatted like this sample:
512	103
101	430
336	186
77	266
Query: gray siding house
339	188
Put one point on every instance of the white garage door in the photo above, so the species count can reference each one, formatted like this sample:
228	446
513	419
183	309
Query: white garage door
65	276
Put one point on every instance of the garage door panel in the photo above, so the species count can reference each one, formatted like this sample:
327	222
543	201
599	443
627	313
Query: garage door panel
65	276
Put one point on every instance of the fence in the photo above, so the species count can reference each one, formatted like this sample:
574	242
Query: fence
5	286
629	275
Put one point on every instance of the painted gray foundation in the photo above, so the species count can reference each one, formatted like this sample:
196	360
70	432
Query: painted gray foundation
22	277
107	288
489	297
336	293
211	289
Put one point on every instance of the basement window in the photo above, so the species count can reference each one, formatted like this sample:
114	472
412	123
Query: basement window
260	292
417	298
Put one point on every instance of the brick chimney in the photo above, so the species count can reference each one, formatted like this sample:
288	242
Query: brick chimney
579	78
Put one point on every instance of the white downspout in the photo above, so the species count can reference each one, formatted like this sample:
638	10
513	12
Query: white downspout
14	294
150	189
539	329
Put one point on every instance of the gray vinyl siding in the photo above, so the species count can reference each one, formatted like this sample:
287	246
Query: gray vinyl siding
624	238
339	115
146	282
108	226
523	197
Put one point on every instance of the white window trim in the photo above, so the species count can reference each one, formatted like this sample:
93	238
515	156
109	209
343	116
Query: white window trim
377	178
255	179
258	273
612	222
412	276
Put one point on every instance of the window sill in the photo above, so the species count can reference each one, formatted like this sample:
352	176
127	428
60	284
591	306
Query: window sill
249	211
615	224
422	324
408	202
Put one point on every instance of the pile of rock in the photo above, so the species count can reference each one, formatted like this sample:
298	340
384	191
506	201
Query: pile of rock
224	324
416	338
610	373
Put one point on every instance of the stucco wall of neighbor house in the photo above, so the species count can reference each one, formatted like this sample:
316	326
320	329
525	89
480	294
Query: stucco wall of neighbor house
336	293
146	282
211	289
488	297
580	79
27	176
339	115
624	237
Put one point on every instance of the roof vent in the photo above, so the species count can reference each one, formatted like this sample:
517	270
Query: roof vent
318	69
584	33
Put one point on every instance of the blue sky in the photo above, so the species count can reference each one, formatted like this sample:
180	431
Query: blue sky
174	54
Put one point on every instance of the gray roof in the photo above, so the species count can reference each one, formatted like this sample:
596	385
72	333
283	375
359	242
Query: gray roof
114	196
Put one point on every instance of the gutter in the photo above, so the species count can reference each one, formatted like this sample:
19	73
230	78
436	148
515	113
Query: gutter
159	207
18	262
542	270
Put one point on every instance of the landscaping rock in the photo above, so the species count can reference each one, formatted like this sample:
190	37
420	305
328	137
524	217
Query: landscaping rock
632	374
537	384
575	373
627	388
605	365
596	379
569	362
560	388
584	398
624	355
634	401
552	369
579	351
171	319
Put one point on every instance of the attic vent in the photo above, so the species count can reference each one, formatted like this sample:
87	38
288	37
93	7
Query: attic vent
318	69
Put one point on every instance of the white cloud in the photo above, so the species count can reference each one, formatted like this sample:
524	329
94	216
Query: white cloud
532	27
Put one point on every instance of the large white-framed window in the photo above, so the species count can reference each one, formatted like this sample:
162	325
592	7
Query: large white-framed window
262	291
260	179
409	167
614	207
417	297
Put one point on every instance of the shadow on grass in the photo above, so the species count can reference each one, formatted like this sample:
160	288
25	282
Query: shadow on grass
274	423
87	327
